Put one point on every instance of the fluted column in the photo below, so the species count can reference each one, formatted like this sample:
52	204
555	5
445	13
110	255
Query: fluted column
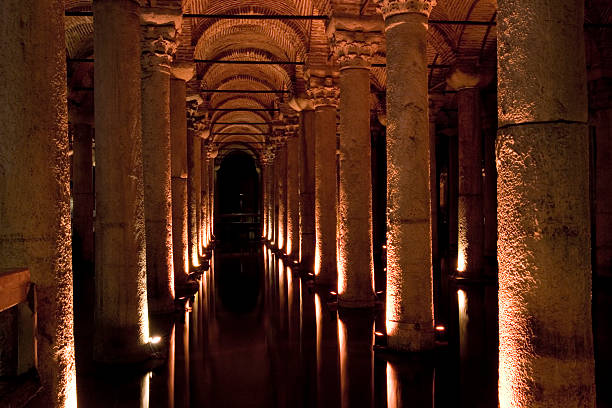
325	100
178	143
545	330
194	183
354	229
307	189
35	180
158	46
293	216
121	284
409	264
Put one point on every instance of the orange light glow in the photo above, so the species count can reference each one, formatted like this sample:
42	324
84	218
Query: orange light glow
379	334
393	394
195	261
440	328
461	264
317	261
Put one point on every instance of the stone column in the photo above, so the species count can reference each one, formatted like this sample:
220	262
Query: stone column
280	173
158	46
293	220
354	230
307	188
267	158
409	264
212	154
35	180
121	284
205	221
325	99
194	183
545	330
178	122
470	255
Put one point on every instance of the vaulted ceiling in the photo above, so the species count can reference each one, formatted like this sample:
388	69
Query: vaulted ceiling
271	86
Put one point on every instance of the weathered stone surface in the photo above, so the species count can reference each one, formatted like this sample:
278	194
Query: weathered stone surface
121	286
178	146
544	78
409	314
354	230
546	342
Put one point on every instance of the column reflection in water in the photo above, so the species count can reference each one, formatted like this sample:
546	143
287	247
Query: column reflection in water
181	370
355	342
477	346
308	345
410	382
161	383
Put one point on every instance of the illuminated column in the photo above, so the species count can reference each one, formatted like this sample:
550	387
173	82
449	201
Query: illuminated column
267	158
545	331
471	203
409	264
178	122
325	99
280	139
158	46
354	232
210	163
35	180
194	182
293	197
307	188
121	284
204	220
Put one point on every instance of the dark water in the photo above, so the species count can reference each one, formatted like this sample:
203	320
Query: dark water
259	336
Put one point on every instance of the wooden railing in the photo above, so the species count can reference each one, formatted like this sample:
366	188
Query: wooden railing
17	289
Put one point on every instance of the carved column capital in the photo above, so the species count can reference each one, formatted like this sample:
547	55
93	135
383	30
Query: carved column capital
389	8
267	155
323	91
279	136
355	48
158	46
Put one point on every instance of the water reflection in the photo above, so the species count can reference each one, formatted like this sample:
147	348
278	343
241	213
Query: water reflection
256	334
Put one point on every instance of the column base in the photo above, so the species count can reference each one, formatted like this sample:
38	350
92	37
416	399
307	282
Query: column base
410	337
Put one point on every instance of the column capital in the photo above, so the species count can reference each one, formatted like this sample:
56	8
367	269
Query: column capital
355	49
390	8
323	91
467	73
183	71
158	46
267	155
278	136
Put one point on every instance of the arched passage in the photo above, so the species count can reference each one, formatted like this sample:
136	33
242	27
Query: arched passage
238	198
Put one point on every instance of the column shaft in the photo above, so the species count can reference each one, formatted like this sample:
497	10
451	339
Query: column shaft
354	232
204	197
35	180
471	220
194	181
325	195
293	220
282	197
157	185
409	262
121	283
178	115
307	190
545	329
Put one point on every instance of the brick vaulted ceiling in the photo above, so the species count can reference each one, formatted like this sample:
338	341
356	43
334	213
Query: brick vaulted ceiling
287	40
